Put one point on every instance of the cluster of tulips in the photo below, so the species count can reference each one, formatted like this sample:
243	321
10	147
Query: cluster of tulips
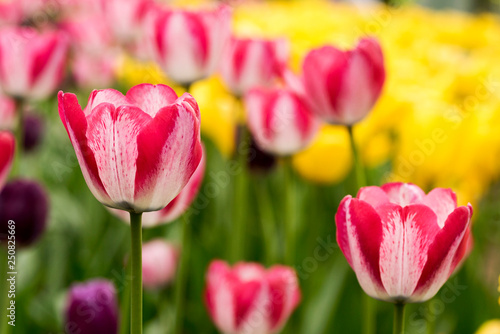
142	157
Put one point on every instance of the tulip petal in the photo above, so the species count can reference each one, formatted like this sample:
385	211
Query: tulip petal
407	235
359	235
443	202
111	96
373	195
442	254
403	194
75	123
7	147
284	294
151	98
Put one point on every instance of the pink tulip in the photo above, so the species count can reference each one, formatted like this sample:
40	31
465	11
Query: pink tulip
250	299
159	263
343	86
31	63
92	71
279	120
189	44
7	113
403	244
7	147
89	34
249	63
176	207
136	151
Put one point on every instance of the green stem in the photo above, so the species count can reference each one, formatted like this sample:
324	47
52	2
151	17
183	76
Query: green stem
399	318
125	305
180	283
266	218
136	264
358	164
369	309
16	168
290	221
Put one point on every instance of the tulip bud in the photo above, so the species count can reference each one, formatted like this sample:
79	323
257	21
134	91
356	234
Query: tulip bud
250	299
403	244
33	132
92	308
159	263
7	148
24	202
279	121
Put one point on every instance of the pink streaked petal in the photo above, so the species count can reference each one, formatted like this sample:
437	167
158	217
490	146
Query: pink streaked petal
151	98
407	235
74	121
7	148
169	153
373	195
442	202
111	96
359	235
463	251
403	194
370	49
442	254
284	294
246	295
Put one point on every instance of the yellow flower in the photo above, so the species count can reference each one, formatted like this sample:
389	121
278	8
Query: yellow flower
490	327
328	159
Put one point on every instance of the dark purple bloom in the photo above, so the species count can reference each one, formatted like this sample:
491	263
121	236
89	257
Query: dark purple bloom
33	132
25	203
92	308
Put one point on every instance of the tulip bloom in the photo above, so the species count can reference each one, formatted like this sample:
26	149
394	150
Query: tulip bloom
249	63
343	86
279	120
125	17
7	148
188	44
92	308
159	263
136	151
250	299
26	203
176	207
31	63
403	244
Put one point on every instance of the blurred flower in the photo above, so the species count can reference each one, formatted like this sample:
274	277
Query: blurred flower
26	203
402	244
279	120
7	113
159	263
177	206
7	148
343	86
92	308
188	44
137	151
328	159
249	298
33	132
490	327
248	63
32	63
9	13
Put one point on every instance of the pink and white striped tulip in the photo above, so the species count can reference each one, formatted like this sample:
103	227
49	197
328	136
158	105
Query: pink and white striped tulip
249	63
159	263
403	244
176	207
7	113
250	299
343	86
7	148
31	63
188	44
279	120
136	151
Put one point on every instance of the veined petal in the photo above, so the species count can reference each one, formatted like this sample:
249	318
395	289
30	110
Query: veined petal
373	195
403	194
151	98
443	202
111	96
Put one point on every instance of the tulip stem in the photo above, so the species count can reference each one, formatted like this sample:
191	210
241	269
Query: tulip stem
358	164
266	218
16	169
180	283
136	264
289	196
125	304
369	310
399	318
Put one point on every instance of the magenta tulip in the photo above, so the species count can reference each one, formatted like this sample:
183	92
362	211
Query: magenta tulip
279	120
7	148
250	299
137	151
176	207
159	263
403	244
31	63
248	63
188	44
343	86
